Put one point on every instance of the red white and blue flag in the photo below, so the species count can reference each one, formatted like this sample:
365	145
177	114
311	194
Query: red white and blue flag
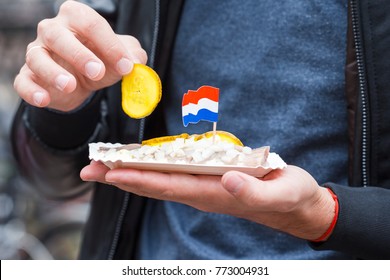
200	105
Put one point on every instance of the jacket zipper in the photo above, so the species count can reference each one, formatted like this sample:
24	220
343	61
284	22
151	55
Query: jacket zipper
126	198
118	226
151	59
362	88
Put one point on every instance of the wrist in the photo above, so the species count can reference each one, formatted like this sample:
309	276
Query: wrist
331	223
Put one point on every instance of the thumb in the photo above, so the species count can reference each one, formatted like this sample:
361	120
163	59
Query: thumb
243	187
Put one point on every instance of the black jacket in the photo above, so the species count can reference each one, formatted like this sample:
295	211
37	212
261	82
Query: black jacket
51	147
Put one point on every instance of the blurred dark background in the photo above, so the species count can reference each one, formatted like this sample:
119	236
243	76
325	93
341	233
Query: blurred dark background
31	226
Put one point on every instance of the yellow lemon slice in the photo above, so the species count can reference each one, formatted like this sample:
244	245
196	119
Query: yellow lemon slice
141	91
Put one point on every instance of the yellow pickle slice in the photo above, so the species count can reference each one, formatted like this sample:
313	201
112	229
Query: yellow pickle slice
141	91
164	139
223	135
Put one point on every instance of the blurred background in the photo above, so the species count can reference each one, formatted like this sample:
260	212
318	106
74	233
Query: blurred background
31	226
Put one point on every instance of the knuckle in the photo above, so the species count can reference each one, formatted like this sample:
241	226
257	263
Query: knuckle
19	86
17	83
28	60
135	47
138	51
78	57
92	24
134	41
43	25
28	57
48	31
29	46
112	50
44	72
81	15
67	7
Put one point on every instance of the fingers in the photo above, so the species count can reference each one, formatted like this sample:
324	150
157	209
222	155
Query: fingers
85	39
201	192
75	52
137	53
96	171
45	69
159	185
61	42
29	90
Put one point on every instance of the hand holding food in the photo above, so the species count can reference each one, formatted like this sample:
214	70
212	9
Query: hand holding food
74	54
287	199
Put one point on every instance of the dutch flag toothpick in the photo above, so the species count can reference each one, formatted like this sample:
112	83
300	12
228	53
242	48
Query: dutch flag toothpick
201	104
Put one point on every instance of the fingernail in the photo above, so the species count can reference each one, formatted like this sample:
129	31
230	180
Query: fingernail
93	69
38	98
62	81
124	66
233	183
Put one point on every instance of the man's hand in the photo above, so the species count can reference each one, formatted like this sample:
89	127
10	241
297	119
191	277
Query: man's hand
289	200
74	54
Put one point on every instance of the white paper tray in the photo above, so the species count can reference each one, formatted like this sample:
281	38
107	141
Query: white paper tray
274	161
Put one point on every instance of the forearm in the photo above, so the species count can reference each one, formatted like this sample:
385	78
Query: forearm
51	148
363	225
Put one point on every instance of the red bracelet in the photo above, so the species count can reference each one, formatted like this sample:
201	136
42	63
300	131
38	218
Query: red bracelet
334	221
